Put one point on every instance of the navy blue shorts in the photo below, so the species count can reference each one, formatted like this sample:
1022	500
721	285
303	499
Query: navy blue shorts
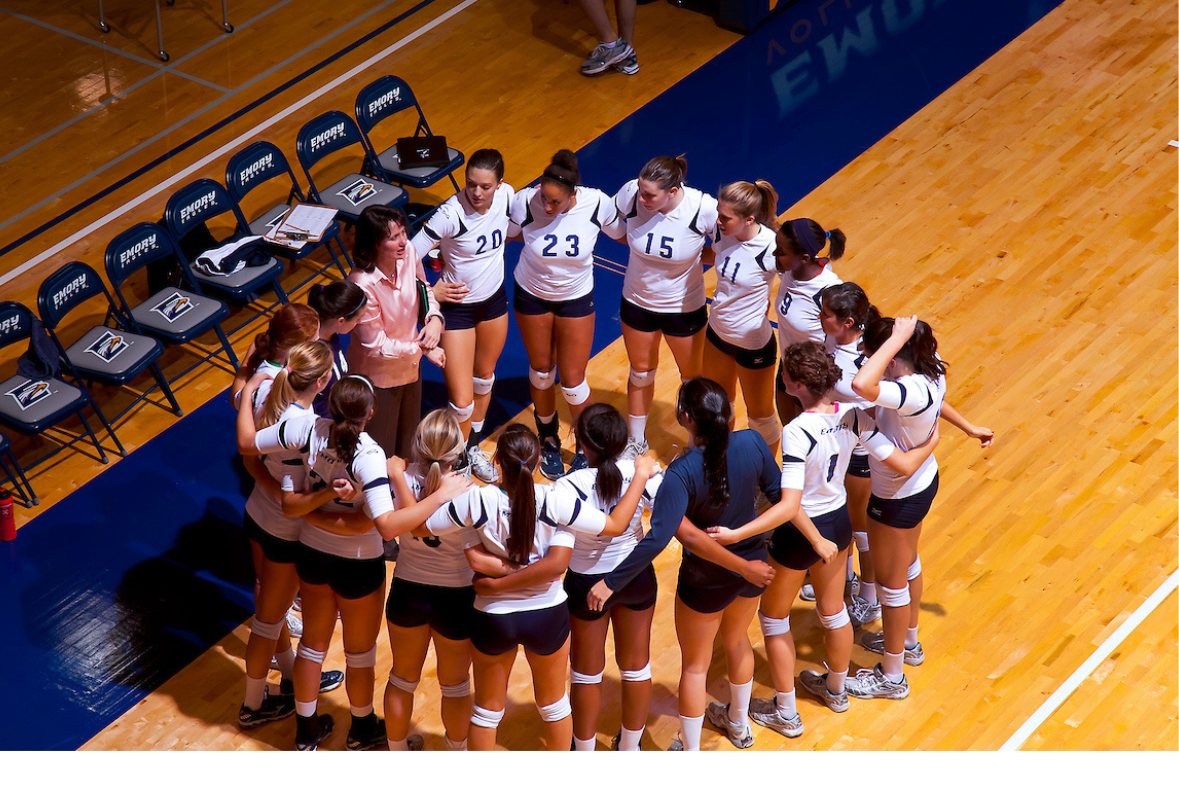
637	595
859	466
528	304
274	548
349	578
447	610
903	513
677	325
708	588
541	631
791	549
466	316
762	358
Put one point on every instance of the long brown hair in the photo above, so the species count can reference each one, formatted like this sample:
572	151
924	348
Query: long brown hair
290	324
517	453
350	402
601	435
920	350
704	401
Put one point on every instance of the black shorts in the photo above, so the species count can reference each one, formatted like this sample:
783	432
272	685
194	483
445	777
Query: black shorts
466	316
677	325
707	588
903	513
541	631
859	466
637	595
528	304
762	358
447	610
350	578
791	549
274	548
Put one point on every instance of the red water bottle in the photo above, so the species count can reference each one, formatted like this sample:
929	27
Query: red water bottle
7	517
433	261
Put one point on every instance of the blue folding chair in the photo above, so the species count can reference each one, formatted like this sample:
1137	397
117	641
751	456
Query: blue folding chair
387	97
355	191
31	406
258	163
173	315
104	354
197	204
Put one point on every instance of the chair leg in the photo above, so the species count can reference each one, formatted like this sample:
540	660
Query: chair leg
280	293
228	349
26	493
454	182
158	374
344	250
94	439
106	423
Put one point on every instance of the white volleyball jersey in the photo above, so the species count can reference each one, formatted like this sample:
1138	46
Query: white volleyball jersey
472	243
593	554
797	307
816	450
664	273
849	358
265	509
557	263
438	560
741	300
907	411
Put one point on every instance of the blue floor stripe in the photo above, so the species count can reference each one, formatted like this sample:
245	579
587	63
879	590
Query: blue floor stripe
130	578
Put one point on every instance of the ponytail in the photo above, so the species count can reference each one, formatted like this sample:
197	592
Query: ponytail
306	363
517	453
807	237
601	435
349	403
757	200
291	324
848	300
665	172
437	445
563	170
920	351
706	404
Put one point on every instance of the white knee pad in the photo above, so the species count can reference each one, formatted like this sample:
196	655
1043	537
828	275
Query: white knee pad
401	684
837	621
914	569
771	626
861	539
643	674
640	380
578	394
310	654
267	630
585	678
557	710
542	381
366	658
488	719
893	598
482	385
767	427
460	690
462	414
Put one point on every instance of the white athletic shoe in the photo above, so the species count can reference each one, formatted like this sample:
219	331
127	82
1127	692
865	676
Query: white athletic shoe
765	712
874	684
874	643
862	612
294	623
604	57
481	466
816	684
634	447
718	715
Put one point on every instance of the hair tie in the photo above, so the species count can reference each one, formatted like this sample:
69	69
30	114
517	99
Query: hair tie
287	369
363	380
827	234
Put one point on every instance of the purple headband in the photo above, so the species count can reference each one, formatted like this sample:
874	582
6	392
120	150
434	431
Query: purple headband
806	237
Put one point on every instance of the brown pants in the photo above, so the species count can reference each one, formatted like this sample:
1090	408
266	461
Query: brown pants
395	418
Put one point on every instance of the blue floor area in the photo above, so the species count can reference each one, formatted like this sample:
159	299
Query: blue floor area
130	578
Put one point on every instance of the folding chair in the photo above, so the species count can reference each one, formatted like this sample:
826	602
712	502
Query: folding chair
255	165
199	202
173	315
26	491
106	355
386	97
33	406
354	192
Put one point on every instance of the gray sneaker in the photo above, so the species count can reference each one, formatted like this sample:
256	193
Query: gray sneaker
862	612
765	712
718	715
604	57
634	447
873	684
816	684
481	466
294	623
874	643
808	592
629	66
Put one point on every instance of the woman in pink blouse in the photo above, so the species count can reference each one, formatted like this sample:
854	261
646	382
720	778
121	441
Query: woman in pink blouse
388	343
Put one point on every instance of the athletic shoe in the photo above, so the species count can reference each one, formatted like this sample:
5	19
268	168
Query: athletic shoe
676	746
479	464
462	465
634	447
294	623
718	715
578	462
873	684
328	680
312	731
551	466
367	733
854	584
765	712
603	57
808	592
874	643
272	709
414	743
629	66
617	739
816	684
862	612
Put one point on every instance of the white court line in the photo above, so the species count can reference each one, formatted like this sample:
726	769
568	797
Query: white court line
231	146
1074	681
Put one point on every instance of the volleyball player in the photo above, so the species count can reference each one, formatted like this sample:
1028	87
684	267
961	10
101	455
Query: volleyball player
340	306
666	225
471	228
559	221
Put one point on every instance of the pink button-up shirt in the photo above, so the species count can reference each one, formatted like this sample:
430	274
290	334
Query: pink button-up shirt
384	343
